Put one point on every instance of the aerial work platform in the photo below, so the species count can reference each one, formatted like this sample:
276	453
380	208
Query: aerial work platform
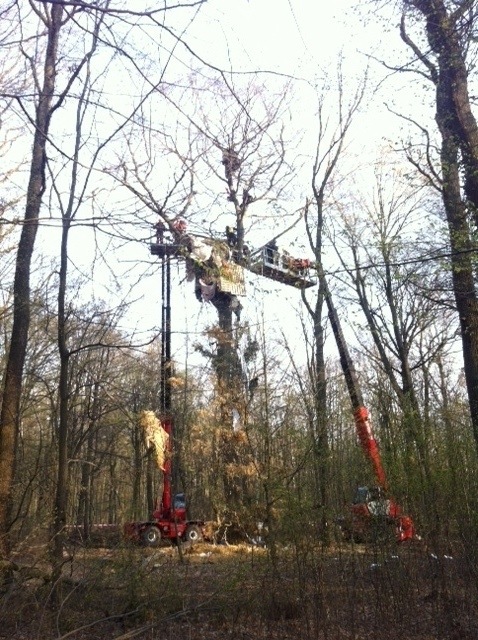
268	262
282	267
166	250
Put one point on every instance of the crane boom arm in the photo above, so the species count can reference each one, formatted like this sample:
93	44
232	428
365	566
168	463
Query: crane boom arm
369	444
405	529
361	414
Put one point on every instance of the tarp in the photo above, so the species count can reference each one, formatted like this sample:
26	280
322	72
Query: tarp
200	249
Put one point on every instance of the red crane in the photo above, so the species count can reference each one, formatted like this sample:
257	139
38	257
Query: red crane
373	511
169	518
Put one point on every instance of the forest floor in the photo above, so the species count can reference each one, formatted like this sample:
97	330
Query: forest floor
241	592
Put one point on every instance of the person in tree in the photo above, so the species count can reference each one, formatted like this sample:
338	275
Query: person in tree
160	228
231	236
180	225
272	251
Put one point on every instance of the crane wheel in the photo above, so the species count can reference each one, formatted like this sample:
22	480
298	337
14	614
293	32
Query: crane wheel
193	534
151	536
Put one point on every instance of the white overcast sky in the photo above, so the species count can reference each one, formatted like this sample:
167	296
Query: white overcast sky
303	39
300	38
289	36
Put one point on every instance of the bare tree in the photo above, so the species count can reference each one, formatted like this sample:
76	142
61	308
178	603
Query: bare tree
64	64
331	139
246	152
52	18
404	328
228	151
441	35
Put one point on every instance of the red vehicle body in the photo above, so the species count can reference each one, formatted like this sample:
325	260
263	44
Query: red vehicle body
166	523
374	515
169	520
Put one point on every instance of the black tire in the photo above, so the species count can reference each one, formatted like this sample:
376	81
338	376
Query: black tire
151	536
193	534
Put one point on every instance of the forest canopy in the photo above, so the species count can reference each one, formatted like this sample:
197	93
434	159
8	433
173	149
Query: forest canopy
252	238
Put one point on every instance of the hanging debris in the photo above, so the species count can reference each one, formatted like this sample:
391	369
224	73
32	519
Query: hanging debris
209	264
217	266
155	436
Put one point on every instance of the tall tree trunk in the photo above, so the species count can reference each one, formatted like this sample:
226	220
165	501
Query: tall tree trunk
462	269
230	384
61	495
136	501
12	383
321	438
86	484
112	492
445	36
459	131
